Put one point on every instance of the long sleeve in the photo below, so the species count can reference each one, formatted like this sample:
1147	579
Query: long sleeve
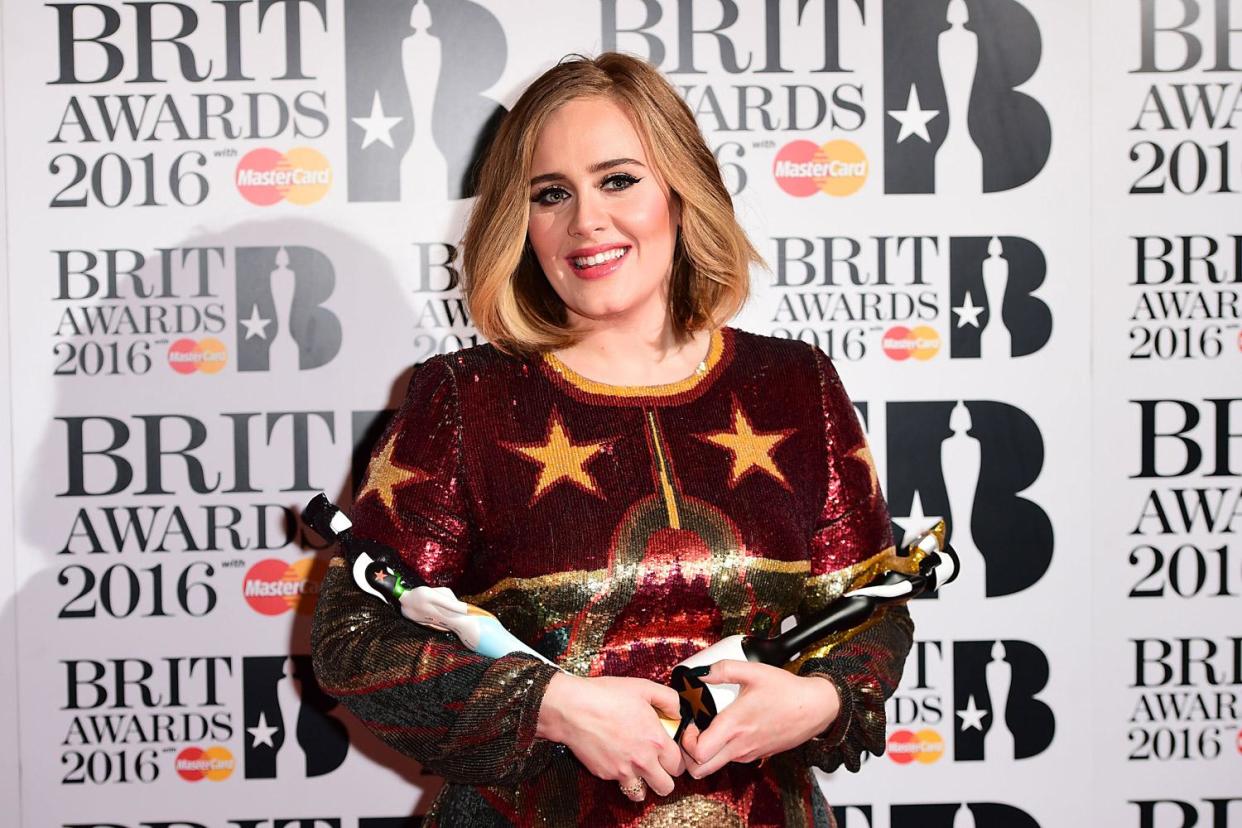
466	717
852	532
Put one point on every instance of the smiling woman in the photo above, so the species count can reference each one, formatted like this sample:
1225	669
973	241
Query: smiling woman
622	480
593	151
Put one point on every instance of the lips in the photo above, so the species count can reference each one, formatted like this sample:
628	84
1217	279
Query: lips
600	260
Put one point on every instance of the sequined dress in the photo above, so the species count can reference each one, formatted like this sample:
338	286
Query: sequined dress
618	530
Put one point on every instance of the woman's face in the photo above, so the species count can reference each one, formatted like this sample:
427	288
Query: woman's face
602	222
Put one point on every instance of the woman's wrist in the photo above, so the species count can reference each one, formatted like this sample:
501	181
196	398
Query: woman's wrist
551	724
829	709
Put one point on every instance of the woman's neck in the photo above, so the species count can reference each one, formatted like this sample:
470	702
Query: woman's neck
619	355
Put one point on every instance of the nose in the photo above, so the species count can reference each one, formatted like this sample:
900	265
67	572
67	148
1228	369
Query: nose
589	215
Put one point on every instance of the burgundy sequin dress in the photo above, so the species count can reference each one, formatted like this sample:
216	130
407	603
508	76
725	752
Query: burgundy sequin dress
618	530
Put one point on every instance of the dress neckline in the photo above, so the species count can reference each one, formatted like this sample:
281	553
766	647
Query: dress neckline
708	368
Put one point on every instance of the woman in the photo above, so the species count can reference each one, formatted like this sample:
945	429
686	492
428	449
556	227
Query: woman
622	480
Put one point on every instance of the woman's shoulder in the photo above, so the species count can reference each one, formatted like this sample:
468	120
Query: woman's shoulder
475	362
764	351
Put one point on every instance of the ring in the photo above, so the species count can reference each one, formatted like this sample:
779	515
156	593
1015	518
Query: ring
634	790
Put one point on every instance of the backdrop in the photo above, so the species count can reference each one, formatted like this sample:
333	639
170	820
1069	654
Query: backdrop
1014	224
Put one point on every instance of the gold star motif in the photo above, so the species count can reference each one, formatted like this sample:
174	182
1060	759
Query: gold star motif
694	695
560	458
863	453
751	450
384	475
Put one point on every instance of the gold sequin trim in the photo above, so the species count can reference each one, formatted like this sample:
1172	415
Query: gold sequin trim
596	578
714	351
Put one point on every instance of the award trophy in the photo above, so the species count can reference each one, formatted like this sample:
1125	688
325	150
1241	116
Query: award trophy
921	563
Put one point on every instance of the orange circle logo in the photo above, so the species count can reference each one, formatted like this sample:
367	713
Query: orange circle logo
906	746
216	763
803	168
300	176
273	587
186	356
901	343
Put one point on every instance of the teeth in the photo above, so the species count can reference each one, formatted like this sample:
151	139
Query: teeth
600	258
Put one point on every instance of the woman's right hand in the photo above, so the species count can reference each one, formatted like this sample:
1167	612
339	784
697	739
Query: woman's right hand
611	725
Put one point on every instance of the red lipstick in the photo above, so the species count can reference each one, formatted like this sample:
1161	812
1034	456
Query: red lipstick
600	269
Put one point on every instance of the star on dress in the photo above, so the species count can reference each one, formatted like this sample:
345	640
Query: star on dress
384	475
863	453
560	459
751	449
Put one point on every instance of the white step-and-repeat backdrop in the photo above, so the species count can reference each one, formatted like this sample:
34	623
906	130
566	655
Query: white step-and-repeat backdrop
1014	224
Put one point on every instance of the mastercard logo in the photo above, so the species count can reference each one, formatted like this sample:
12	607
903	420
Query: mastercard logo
900	342
906	746
187	356
803	168
273	587
299	176
214	763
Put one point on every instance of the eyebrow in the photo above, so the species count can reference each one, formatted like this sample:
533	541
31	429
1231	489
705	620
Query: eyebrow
594	168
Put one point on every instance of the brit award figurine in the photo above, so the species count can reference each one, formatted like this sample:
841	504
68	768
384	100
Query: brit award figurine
919	564
378	570
922	563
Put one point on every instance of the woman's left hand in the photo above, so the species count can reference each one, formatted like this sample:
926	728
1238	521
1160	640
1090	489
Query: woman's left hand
774	711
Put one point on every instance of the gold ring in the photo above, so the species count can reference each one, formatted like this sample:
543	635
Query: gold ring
634	789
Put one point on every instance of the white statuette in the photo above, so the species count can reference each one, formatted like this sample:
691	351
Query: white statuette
994	341
439	608
424	170
283	354
998	743
959	164
960	458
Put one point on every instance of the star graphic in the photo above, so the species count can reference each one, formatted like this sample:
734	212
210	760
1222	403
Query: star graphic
694	695
560	458
972	716
378	126
913	118
256	325
915	523
863	453
262	733
968	312
751	450
384	475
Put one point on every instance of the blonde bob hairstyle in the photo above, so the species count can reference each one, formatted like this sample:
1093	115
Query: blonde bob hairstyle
510	299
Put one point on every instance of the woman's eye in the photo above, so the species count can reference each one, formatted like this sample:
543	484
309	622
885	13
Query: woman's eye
550	195
620	181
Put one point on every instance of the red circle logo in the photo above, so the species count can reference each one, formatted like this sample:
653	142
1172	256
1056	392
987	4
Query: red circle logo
194	764
301	176
273	587
906	746
803	168
901	343
185	356
902	746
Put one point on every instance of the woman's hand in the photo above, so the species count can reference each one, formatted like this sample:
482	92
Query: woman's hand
774	711
611	725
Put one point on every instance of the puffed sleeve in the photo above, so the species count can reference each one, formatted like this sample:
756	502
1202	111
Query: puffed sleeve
464	716
852	531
